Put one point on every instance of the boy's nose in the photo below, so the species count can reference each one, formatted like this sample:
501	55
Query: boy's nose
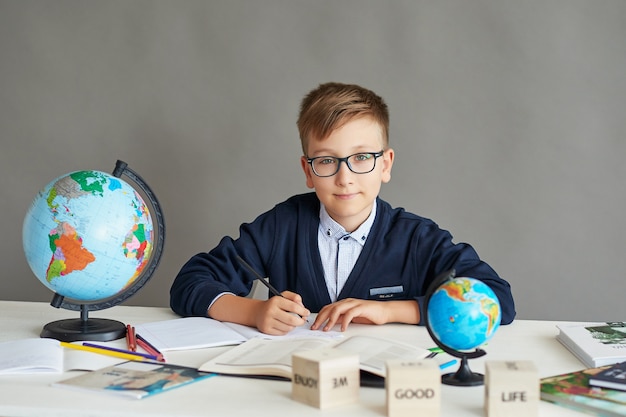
344	174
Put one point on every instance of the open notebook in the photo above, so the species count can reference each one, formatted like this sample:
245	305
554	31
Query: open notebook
201	332
272	357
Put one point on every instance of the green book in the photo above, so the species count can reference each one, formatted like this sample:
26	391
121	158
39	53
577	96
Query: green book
572	390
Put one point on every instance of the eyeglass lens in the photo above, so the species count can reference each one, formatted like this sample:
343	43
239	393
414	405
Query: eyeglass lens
360	163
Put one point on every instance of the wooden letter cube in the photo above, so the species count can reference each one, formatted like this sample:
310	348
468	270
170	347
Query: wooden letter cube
325	377
511	389
413	388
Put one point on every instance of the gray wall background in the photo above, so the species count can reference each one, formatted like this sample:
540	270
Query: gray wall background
507	118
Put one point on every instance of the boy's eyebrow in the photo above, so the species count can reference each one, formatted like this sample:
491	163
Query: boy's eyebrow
329	152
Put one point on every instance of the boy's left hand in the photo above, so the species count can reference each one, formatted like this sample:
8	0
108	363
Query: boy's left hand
351	310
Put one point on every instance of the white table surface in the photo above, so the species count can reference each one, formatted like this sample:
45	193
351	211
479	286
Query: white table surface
32	395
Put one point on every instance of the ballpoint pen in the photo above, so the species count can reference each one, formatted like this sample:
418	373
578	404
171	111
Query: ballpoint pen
269	286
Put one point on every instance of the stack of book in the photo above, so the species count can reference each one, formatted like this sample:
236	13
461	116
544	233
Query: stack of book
578	390
601	388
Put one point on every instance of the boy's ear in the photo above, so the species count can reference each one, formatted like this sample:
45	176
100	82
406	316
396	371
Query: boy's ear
307	171
387	158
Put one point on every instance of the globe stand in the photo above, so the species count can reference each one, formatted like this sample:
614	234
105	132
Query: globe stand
84	328
98	329
463	377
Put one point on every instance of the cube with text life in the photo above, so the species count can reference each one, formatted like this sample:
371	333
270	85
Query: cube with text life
511	389
413	388
325	377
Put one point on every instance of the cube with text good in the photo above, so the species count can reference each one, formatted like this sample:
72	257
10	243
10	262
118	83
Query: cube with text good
325	377
511	389
413	388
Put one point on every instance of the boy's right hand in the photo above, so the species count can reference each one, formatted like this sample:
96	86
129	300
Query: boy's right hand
280	315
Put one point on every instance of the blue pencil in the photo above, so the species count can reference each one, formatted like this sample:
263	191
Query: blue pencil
447	364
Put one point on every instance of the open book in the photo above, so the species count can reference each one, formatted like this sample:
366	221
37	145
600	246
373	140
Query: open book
272	358
201	332
41	355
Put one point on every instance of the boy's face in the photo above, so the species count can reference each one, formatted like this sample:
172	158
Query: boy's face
348	197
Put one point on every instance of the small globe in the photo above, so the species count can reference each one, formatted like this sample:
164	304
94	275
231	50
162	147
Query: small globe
463	313
88	236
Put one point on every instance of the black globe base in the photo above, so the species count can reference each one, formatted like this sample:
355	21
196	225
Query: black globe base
463	377
72	330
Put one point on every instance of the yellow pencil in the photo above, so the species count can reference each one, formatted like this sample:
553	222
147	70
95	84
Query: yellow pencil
128	356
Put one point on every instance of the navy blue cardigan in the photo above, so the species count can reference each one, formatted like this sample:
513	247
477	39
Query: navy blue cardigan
403	254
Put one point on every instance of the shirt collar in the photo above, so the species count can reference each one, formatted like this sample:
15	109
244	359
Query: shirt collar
333	230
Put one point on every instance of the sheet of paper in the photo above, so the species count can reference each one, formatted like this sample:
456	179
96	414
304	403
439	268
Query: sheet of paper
262	357
297	333
259	352
374	352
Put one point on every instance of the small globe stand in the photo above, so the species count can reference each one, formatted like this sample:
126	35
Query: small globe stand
99	329
463	377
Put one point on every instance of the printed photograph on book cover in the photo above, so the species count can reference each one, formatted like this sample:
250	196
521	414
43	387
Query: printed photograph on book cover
613	333
161	378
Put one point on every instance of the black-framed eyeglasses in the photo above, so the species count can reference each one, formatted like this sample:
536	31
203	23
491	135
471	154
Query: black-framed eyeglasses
359	163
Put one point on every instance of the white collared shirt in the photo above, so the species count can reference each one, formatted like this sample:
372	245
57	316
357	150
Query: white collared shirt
339	250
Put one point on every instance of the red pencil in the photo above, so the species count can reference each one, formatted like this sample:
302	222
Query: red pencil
150	349
131	340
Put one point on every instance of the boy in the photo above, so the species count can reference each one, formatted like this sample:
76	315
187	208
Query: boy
340	251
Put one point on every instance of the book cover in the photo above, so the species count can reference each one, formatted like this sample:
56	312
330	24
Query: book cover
595	345
572	390
613	377
134	379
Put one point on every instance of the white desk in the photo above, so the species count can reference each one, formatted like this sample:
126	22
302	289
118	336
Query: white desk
31	395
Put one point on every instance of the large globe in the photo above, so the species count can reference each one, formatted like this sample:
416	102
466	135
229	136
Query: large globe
88	236
463	313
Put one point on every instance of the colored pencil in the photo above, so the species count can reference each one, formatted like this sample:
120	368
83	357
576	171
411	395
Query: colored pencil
131	340
112	349
150	349
127	356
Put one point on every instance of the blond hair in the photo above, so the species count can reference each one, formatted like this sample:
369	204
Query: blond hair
332	105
